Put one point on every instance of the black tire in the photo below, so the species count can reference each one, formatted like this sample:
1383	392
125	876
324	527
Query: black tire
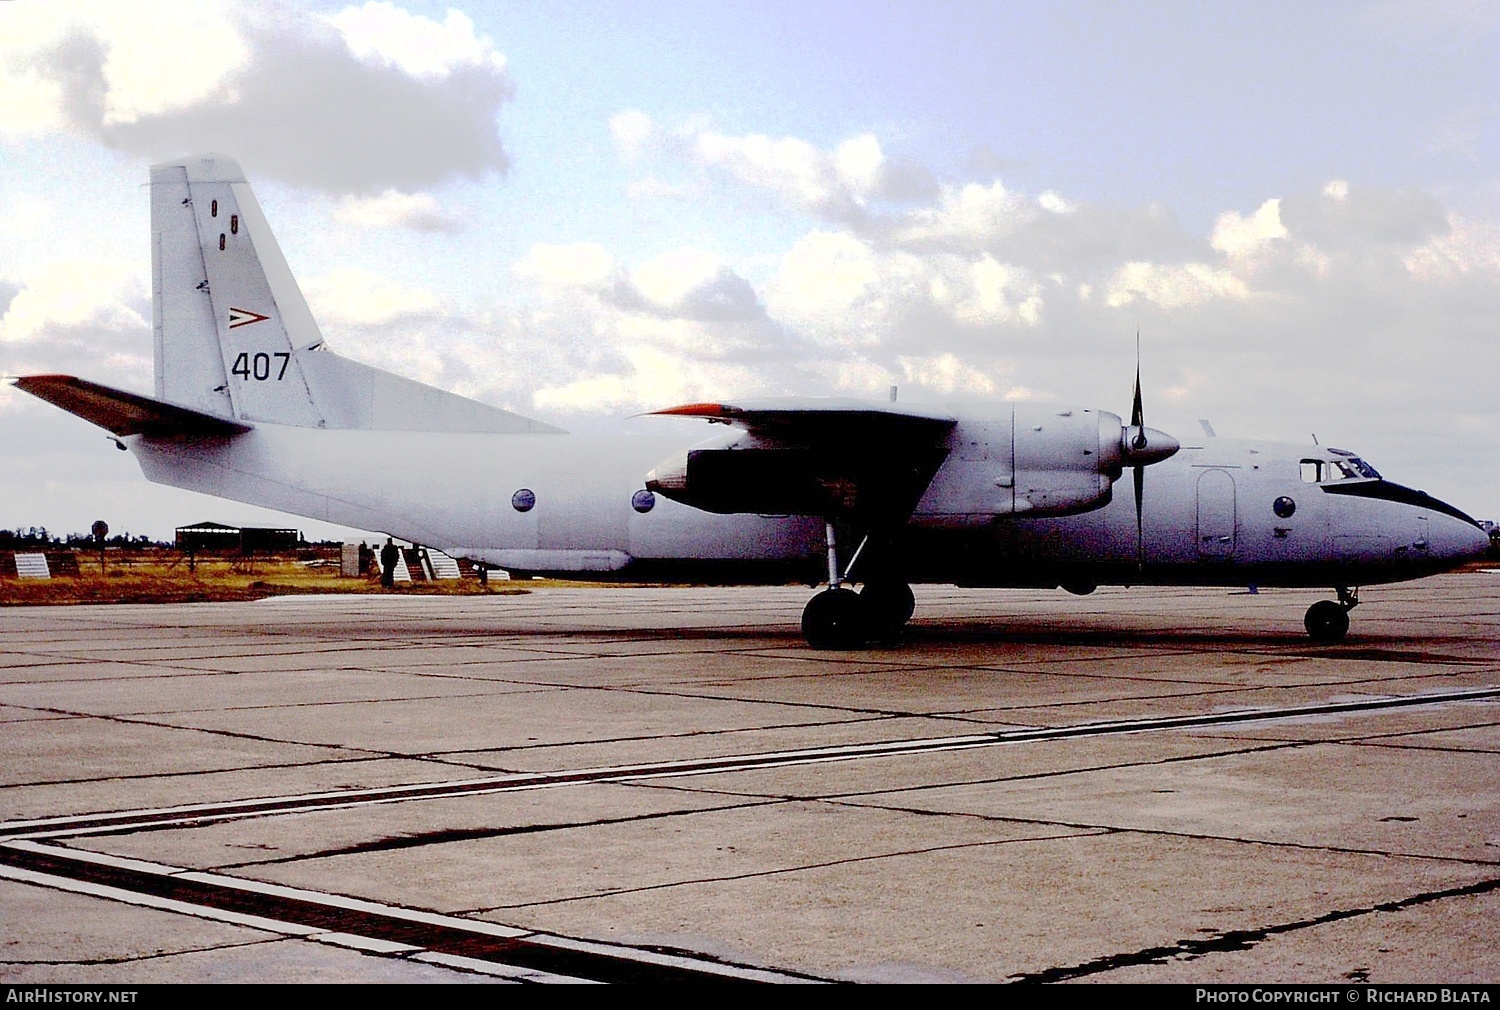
835	619
888	604
1326	622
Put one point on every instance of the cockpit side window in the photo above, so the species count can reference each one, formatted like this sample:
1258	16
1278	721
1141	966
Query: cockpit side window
1318	471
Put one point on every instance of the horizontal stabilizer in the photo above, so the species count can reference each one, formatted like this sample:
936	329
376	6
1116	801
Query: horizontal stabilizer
122	413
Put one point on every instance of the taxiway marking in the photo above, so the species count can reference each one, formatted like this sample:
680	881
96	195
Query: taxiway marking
368	926
203	813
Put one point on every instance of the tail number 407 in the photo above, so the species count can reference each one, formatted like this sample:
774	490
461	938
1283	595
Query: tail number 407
262	366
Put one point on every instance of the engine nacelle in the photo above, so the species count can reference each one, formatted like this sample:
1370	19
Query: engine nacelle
1024	459
973	467
741	473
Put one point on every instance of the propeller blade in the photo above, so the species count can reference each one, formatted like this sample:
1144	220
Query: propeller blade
1138	451
1137	410
1140	537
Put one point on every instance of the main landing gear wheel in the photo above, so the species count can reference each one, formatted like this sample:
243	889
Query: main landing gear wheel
888	605
834	619
1326	622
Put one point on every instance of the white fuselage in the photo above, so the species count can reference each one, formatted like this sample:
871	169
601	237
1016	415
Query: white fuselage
1209	513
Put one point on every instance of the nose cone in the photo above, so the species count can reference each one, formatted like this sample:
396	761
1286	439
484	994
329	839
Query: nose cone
1458	542
1141	446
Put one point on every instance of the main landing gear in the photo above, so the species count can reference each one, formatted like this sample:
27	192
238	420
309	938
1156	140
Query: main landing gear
839	618
1327	621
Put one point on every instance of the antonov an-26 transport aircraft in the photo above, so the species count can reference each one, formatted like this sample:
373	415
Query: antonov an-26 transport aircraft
250	405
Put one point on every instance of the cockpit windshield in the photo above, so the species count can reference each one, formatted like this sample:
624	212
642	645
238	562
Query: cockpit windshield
1346	467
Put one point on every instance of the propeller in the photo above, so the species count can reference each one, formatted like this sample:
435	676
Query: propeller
1141	446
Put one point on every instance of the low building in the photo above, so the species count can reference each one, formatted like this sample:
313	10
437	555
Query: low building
211	537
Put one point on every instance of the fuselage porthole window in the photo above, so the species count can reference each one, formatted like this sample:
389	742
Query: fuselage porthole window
523	500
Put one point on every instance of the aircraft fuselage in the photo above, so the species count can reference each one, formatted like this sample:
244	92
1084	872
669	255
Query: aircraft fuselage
1226	512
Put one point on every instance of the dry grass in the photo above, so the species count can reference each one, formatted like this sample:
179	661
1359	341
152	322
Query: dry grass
162	576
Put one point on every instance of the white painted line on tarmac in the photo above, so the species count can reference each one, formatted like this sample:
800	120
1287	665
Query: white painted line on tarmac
507	971
356	941
129	897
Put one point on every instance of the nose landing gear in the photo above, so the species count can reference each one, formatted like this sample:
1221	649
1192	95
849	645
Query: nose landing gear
1327	621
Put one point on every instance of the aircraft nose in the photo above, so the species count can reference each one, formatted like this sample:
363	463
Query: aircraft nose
1478	544
1459	541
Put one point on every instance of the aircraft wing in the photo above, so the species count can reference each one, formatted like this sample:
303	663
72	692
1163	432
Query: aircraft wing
812	413
122	413
848	459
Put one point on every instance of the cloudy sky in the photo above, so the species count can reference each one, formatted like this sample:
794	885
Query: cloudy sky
580	211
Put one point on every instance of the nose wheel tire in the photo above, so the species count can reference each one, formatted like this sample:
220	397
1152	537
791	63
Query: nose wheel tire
835	619
1326	622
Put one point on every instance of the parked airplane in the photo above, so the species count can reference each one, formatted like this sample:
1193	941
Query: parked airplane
250	405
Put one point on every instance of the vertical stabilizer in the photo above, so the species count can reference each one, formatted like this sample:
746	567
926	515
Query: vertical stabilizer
230	319
234	336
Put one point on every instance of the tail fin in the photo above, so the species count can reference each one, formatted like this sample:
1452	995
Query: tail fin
235	338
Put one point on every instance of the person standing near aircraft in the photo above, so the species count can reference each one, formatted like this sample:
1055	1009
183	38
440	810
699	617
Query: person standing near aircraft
388	555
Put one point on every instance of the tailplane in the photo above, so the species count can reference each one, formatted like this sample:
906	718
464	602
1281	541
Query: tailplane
234	337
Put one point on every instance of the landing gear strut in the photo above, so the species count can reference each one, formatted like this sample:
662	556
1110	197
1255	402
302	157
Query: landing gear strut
1327	622
838	618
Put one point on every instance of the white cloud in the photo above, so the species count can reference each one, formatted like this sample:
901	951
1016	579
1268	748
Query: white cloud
694	284
633	131
858	163
652	378
1172	286
839	289
652	188
72	294
577	264
997	293
970	216
669	279
1051	201
394	209
282	89
789	166
184	53
78	317
383	32
353	297
1468	247
820	282
838	185
946	373
1236	236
